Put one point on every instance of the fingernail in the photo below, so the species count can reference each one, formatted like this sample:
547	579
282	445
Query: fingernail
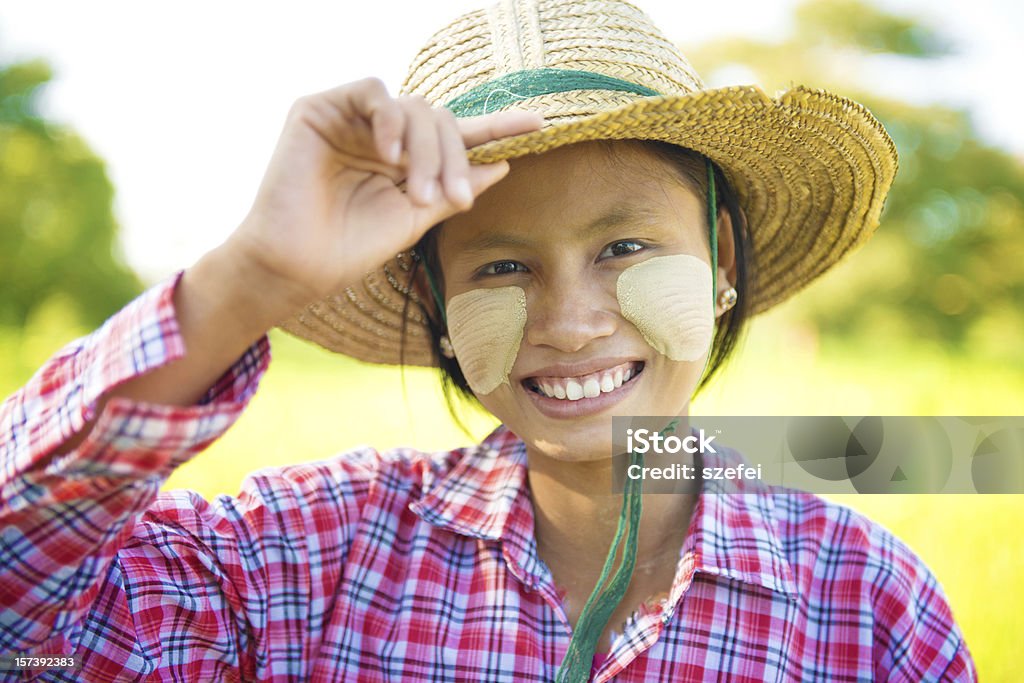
429	191
463	192
499	168
395	152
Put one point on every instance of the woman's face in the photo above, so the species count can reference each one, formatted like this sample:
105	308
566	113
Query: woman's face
562	227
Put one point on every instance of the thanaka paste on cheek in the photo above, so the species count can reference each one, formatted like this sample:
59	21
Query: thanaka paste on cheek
486	329
668	299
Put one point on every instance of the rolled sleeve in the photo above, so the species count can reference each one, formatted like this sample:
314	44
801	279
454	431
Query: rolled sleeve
64	516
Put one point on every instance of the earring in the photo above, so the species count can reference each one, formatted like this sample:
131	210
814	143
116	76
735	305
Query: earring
446	347
727	299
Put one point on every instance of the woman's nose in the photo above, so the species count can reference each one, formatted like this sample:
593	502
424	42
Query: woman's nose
569	314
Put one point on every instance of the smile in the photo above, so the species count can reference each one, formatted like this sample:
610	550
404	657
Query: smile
590	385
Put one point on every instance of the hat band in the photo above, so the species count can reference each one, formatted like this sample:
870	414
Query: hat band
522	85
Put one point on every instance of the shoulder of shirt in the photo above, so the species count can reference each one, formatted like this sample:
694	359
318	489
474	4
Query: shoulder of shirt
812	529
807	521
839	555
345	482
845	562
363	467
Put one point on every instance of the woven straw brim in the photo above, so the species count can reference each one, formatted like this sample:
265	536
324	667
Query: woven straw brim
811	170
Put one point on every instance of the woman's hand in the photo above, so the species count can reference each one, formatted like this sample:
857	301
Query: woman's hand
358	176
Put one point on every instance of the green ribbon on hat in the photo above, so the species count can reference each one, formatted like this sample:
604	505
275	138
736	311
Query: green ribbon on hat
497	94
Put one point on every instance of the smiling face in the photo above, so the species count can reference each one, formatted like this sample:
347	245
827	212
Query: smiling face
562	228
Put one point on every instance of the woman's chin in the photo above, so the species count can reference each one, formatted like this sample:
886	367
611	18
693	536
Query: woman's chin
579	450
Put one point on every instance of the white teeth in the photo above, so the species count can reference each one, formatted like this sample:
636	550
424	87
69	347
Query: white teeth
573	390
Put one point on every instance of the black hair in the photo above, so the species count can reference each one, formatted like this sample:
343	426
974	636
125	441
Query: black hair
728	330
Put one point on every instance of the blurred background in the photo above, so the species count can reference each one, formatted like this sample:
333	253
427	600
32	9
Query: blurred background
132	140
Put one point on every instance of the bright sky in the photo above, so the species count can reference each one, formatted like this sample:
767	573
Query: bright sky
185	100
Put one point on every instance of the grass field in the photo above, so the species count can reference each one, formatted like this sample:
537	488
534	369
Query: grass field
312	405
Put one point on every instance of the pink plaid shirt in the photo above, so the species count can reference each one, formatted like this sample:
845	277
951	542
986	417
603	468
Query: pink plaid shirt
401	565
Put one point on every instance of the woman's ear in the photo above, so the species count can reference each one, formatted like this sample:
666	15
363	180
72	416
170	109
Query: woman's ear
726	251
726	275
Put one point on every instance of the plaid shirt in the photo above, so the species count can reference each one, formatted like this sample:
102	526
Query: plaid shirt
399	565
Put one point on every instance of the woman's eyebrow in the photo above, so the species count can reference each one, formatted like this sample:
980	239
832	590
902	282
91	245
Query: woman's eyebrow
494	240
614	218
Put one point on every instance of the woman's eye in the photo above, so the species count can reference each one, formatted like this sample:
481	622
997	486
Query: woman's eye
622	248
502	268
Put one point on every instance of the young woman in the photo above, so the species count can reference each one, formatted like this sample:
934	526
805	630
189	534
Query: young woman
607	269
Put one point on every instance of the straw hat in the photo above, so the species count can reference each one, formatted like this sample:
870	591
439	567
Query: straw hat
811	169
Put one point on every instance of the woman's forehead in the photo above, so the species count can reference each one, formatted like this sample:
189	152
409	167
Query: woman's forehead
577	192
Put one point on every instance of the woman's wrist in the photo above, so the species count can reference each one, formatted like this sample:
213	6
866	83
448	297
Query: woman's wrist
243	291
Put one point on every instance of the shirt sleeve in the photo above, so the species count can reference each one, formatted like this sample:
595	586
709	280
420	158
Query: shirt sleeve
916	635
64	517
240	587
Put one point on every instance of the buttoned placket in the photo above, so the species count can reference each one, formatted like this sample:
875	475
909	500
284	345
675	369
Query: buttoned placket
496	477
641	630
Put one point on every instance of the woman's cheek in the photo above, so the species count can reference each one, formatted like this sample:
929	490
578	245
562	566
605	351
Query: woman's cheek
486	329
669	300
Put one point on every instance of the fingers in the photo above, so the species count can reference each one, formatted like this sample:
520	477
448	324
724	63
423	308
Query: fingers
435	143
426	141
370	100
452	169
480	177
483	176
388	124
345	114
454	164
405	138
423	149
477	130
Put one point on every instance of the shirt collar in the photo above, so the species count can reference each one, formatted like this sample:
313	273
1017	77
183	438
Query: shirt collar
485	495
478	495
735	535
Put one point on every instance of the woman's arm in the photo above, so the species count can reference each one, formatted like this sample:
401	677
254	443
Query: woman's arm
329	209
64	516
86	444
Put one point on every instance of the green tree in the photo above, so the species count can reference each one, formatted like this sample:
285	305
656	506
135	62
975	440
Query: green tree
57	229
947	264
